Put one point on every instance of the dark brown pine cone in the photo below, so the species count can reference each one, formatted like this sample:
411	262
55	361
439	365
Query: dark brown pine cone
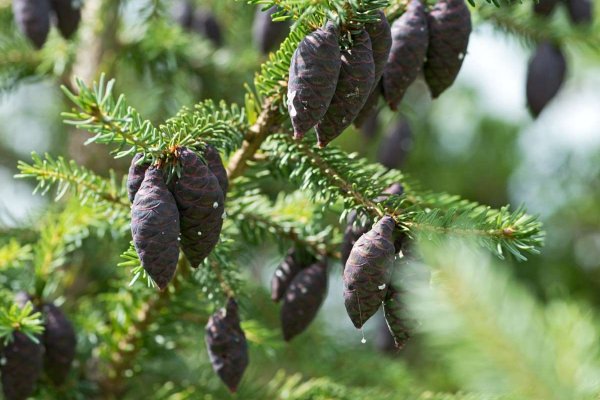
545	76
544	7
213	160
135	176
293	263
580	11
155	228
226	344
59	340
68	15
205	23
22	367
394	147
353	88
302	299
201	205
268	34
33	19
393	310
381	42
314	72
410	39
367	272
449	31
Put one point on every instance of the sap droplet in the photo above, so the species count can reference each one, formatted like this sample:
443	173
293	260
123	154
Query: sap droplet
363	340
215	204
461	56
279	273
199	233
303	290
381	287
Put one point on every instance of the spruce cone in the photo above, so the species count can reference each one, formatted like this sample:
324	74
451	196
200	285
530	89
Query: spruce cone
545	76
410	40
353	88
367	272
381	42
369	110
205	23
314	72
302	300
22	367
449	31
580	11
544	7
135	176
226	344
394	148
33	19
155	228
286	271
393	310
268	34
370	124
201	204
213	160
68	15
59	340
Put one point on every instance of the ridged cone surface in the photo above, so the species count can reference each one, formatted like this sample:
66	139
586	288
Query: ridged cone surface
59	340
284	274
155	228
580	11
381	42
33	19
410	39
201	205
353	88
314	72
22	367
449	31
68	16
135	177
227	346
393	310
215	164
367	271
545	76
395	145
266	33
302	299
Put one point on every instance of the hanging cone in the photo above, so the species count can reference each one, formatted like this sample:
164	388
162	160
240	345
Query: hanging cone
201	204
293	263
394	147
22	367
370	125
135	177
59	340
393	310
268	34
410	39
353	88
302	300
314	72
213	160
155	228
68	15
580	11
226	344
367	272
545	76
381	42
33	19
449	31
